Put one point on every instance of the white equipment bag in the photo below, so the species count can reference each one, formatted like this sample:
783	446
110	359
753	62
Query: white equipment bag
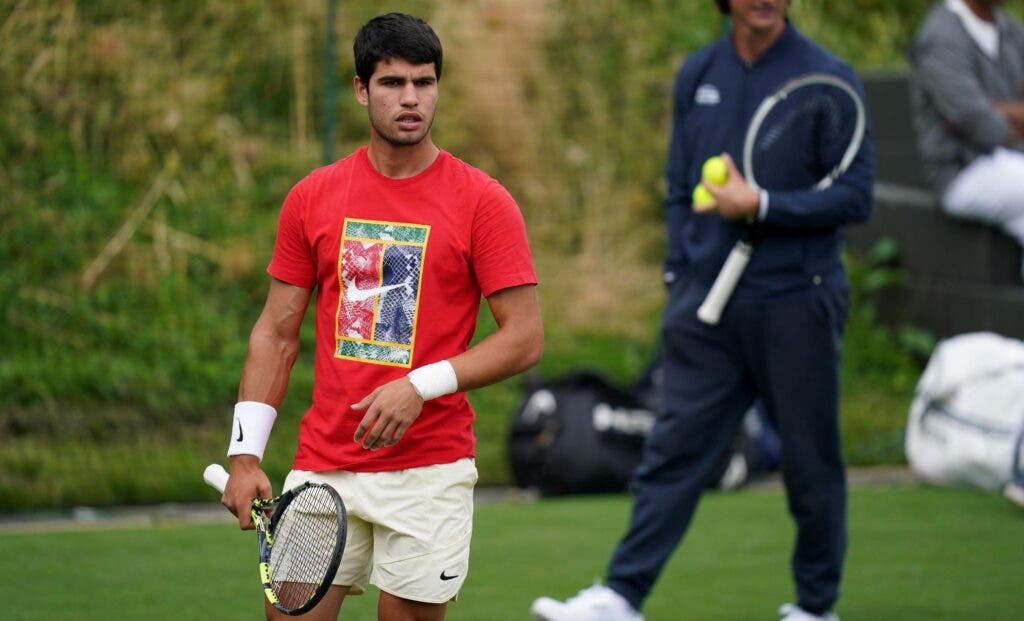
968	412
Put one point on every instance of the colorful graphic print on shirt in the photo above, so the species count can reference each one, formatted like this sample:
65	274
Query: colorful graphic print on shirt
380	268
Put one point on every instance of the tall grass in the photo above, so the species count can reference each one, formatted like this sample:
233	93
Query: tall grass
145	149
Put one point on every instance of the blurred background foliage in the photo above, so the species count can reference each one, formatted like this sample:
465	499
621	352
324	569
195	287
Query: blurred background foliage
145	149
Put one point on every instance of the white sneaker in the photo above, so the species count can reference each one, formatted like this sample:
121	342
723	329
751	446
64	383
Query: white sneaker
792	612
1014	493
598	603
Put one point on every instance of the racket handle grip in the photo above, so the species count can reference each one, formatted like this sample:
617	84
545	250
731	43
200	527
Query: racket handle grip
216	477
711	310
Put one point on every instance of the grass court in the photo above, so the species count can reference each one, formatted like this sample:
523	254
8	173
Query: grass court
916	554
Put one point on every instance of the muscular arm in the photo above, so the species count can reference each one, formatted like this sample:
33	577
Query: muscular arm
273	348
514	347
274	344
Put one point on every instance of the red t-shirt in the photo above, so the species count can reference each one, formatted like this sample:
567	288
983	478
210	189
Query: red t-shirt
400	266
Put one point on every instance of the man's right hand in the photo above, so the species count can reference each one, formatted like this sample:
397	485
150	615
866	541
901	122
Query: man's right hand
735	199
246	482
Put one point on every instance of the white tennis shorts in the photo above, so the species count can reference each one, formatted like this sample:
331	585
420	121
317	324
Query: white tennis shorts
408	530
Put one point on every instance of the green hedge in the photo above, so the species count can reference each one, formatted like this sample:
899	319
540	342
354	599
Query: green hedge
145	150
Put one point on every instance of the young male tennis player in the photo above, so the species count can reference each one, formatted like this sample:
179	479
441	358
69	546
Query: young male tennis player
400	240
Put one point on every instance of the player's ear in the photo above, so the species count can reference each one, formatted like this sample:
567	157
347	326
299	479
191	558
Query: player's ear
362	91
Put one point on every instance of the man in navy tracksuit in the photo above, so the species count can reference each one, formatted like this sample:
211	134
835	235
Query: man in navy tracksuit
779	336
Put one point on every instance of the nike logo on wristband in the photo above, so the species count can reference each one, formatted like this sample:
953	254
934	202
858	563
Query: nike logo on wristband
239	438
446	577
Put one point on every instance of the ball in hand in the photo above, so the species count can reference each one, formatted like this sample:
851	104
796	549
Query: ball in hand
714	171
702	199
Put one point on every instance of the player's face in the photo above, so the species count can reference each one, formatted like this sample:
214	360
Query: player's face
759	16
400	99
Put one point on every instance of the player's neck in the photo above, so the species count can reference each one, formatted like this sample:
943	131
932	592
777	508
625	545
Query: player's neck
401	161
751	43
982	8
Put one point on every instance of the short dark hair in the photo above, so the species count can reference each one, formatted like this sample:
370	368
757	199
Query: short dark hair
723	6
395	35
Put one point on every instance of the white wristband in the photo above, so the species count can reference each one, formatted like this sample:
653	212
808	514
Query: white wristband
433	380
251	428
762	205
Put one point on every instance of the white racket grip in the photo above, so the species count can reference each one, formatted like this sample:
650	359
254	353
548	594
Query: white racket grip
711	310
216	477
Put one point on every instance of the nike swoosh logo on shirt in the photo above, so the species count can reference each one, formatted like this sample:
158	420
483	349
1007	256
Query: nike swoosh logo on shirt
355	294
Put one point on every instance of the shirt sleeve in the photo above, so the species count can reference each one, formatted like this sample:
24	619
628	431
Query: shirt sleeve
678	200
292	261
500	249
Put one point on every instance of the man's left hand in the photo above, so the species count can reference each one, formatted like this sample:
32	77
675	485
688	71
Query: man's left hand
390	410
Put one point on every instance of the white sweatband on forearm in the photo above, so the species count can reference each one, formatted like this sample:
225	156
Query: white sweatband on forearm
251	428
433	380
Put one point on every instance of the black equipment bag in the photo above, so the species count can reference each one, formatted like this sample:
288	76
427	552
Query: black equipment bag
577	434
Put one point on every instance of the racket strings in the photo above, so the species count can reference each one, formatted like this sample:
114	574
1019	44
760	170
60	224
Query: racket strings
304	543
778	126
813	125
837	121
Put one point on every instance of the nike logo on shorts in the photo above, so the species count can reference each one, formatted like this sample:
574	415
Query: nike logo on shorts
446	577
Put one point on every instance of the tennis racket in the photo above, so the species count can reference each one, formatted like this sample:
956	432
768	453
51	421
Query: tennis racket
814	122
300	543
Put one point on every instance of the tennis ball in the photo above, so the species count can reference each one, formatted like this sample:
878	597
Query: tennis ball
714	171
702	199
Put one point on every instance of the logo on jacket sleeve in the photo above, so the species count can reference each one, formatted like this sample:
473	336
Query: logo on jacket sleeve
380	270
707	95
